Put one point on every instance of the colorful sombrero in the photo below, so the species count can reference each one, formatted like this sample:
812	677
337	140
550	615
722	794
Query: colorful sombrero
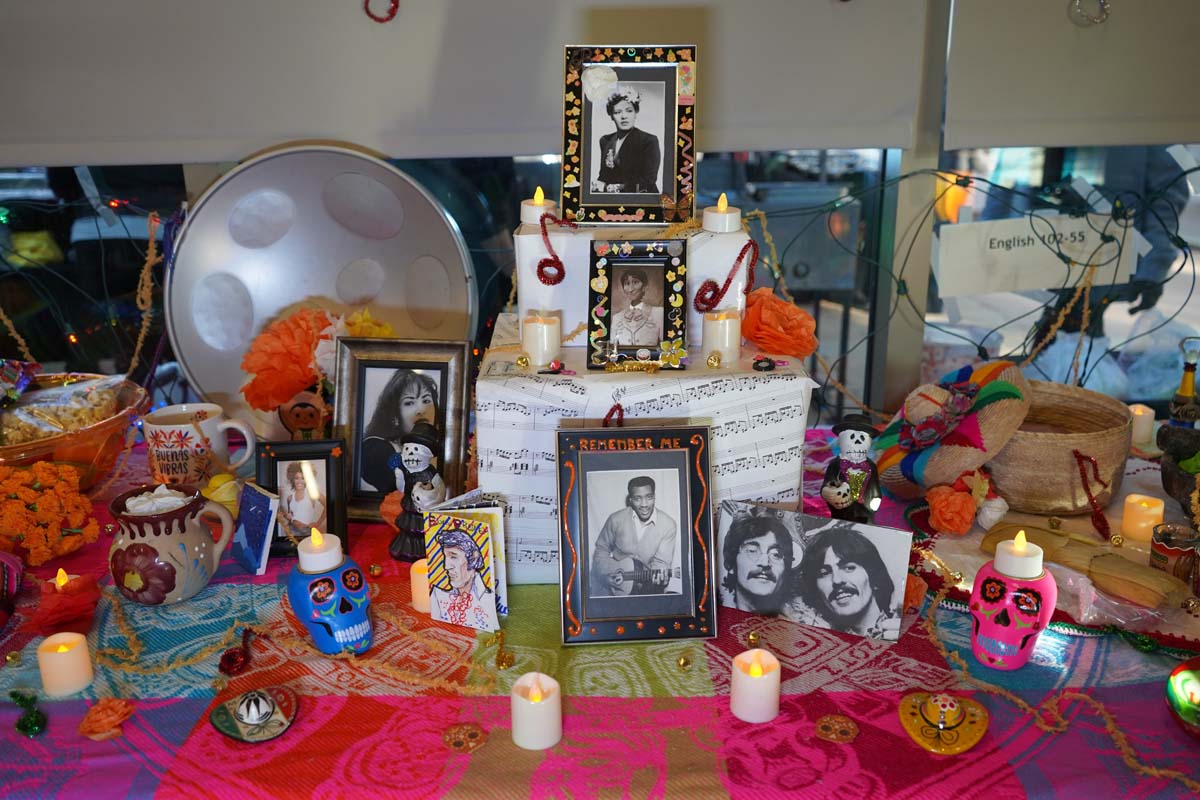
951	427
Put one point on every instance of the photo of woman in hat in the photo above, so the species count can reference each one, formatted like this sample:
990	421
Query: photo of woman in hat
423	487
851	487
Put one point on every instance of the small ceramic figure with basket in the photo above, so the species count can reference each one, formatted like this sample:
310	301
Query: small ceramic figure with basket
423	487
851	487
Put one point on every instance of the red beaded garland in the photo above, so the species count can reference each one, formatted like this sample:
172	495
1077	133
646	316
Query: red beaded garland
552	261
709	294
393	7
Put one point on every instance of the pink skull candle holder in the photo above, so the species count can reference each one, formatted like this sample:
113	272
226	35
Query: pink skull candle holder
1011	604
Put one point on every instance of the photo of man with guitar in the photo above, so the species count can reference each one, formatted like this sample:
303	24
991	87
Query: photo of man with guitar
635	552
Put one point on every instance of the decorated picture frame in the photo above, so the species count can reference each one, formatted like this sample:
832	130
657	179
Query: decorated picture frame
385	388
629	120
617	586
318	463
637	292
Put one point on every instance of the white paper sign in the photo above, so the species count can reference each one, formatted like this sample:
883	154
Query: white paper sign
1016	255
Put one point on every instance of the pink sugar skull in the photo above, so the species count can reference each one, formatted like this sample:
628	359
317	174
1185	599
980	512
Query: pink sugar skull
1008	616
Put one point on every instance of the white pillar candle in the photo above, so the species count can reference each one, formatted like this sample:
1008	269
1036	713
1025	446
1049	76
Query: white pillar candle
1018	558
1143	423
532	210
722	218
541	336
722	333
1142	512
320	552
418	575
536	711
65	664
754	686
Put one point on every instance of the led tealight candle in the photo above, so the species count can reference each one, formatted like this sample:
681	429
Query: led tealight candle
419	576
319	552
1142	513
65	664
754	686
1018	558
1143	423
536	711
541	337
61	579
532	210
722	218
722	333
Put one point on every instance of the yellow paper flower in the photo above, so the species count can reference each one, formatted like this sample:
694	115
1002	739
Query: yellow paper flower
361	324
672	352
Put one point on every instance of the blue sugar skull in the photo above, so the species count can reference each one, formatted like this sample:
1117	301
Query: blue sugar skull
333	606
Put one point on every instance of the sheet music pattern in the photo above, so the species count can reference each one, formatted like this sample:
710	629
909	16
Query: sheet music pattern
757	420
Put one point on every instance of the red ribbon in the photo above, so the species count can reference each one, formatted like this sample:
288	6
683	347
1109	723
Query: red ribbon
393	7
1099	521
551	261
710	294
617	413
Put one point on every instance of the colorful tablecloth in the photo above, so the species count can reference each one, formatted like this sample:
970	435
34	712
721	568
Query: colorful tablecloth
636	723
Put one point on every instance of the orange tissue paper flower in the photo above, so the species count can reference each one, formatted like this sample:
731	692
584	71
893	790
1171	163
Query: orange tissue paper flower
777	326
950	511
281	359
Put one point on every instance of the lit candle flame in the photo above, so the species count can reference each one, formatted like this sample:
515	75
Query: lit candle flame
1141	503
1019	542
60	580
756	667
310	480
539	197
62	648
722	203
318	539
535	691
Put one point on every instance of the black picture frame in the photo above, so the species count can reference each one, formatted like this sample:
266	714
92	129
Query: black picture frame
615	332
271	457
660	80
365	371
672	594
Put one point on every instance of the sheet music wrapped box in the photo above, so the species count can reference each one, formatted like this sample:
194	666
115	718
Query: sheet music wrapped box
757	419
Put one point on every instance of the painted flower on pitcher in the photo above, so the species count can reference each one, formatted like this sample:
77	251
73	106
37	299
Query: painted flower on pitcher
141	576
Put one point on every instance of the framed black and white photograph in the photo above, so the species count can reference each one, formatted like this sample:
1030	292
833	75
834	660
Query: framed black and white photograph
638	290
401	406
629	126
832	574
308	476
636	551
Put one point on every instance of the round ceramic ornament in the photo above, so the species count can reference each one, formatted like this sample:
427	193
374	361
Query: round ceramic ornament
258	715
951	427
310	226
942	723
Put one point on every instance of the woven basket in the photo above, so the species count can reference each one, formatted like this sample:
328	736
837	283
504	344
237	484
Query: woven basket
1037	471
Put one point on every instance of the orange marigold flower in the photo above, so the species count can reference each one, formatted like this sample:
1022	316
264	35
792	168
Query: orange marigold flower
950	511
281	359
778	326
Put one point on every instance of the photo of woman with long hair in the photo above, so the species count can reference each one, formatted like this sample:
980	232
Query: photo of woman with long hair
408	397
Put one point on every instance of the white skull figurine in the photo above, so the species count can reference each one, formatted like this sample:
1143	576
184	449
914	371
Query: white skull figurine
854	445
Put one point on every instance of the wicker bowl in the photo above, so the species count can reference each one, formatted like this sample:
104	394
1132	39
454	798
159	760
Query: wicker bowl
1037	471
92	450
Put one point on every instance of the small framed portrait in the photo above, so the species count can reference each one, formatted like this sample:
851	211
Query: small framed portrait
832	574
636	536
638	291
309	478
629	151
401	406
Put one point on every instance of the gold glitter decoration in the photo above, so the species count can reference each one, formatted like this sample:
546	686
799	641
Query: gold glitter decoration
1191	604
12	658
523	361
714	359
1117	540
684	663
375	570
650	367
752	638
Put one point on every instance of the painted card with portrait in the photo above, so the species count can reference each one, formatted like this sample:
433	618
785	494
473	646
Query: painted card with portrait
629	152
308	477
401	407
637	291
832	574
636	549
463	588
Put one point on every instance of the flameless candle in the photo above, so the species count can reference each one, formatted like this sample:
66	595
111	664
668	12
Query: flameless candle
536	712
1143	423
722	218
319	552
1142	513
532	210
754	686
419	576
541	336
1018	558
1011	603
722	333
61	579
65	664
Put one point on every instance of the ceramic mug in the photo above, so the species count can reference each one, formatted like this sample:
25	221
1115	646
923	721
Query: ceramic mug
187	442
162	558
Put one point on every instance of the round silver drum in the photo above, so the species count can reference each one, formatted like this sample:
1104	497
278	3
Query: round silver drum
308	225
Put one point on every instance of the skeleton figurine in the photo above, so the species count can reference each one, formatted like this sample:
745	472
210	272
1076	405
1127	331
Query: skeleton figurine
851	488
423	487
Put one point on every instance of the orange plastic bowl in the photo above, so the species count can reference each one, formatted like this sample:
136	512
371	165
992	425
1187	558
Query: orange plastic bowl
92	450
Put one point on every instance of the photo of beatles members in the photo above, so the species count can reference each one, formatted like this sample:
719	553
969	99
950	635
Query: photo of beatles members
826	573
